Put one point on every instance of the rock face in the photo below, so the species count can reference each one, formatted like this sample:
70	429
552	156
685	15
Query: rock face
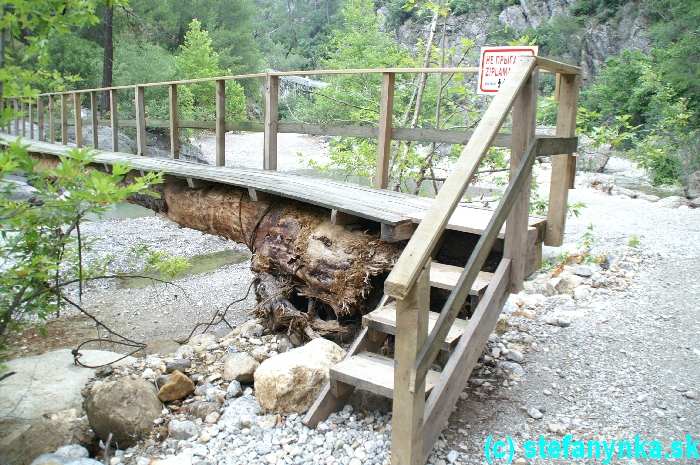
125	407
289	382
240	367
177	387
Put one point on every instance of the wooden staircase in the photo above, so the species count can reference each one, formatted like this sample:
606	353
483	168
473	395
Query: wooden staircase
423	390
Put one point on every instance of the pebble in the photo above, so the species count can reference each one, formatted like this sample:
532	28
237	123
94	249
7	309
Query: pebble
452	456
515	355
690	394
534	413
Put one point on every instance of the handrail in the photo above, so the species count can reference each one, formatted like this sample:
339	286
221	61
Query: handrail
421	245
476	260
545	64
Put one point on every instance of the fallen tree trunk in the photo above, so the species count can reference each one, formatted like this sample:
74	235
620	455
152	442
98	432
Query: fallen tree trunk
334	271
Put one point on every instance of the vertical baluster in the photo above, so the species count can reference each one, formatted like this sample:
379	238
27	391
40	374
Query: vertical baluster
17	116
409	404
114	118
220	123
386	104
78	120
64	119
563	166
271	120
174	123
523	115
140	121
23	114
95	113
40	116
52	131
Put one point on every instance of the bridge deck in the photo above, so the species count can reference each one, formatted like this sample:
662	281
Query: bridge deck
383	206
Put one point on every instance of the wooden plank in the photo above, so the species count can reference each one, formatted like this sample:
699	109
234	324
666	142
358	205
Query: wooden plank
523	116
220	158
40	115
328	400
420	247
562	178
64	119
397	232
77	120
555	145
271	122
52	132
386	109
140	108
476	261
114	119
31	120
409	392
384	320
173	122
557	67
466	354
372	372
94	117
444	276
325	72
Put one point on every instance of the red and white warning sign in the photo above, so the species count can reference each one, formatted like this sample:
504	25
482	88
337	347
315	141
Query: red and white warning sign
495	64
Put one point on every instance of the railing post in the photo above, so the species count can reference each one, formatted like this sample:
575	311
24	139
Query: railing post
140	121
24	119
563	166
386	105
64	119
515	248
220	123
17	116
52	131
271	120
174	129
114	119
30	117
40	114
78	120
94	112
409	404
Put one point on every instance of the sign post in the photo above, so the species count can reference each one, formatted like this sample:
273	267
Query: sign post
496	62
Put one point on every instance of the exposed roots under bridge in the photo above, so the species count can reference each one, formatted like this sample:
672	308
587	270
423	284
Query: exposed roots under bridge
313	278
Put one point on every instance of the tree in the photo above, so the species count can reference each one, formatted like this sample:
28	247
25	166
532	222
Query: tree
196	59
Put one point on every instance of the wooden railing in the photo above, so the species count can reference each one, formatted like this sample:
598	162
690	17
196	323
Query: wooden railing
384	132
415	427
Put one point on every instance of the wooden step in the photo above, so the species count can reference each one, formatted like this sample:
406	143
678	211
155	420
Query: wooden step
446	276
384	320
373	373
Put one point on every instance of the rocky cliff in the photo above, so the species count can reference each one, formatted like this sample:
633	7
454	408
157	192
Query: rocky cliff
595	40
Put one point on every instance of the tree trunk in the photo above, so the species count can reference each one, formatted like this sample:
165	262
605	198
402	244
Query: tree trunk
335	271
108	45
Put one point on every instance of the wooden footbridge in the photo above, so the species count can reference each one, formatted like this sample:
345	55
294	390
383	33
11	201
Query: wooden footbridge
423	384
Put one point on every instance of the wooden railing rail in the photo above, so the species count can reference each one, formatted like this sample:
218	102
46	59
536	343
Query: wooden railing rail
422	244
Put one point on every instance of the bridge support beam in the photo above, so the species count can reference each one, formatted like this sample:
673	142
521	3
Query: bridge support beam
271	120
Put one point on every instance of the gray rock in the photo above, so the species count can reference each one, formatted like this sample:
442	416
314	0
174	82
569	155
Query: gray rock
240	413
560	321
125	408
534	413
85	461
693	182
234	389
584	271
512	368
515	356
182	429
695	203
240	367
73	451
452	456
673	201
251	328
179	364
690	394
51	459
200	408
